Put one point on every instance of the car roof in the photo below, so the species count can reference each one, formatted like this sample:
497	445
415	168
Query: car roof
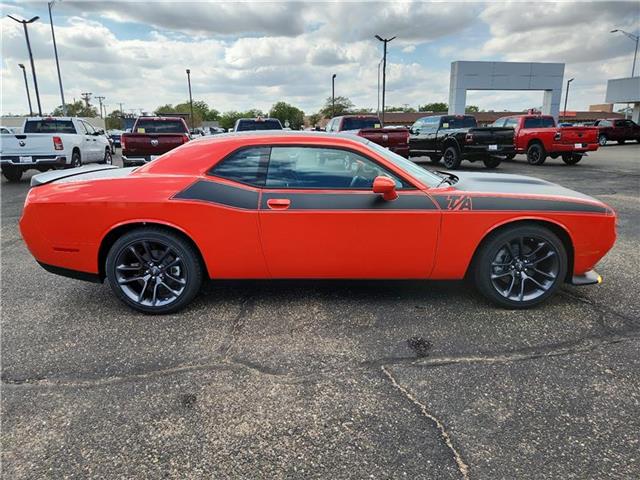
273	135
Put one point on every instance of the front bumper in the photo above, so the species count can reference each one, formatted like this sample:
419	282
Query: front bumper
36	161
587	278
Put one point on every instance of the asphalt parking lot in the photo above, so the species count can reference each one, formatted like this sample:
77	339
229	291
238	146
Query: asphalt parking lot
328	379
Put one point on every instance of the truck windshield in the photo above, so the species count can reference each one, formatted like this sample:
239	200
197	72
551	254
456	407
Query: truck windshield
458	122
247	125
425	176
360	123
160	126
49	126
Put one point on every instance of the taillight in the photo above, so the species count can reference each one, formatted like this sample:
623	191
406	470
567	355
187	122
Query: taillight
57	143
185	138
468	137
122	145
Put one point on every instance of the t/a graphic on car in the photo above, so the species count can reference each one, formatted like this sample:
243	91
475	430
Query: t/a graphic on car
266	205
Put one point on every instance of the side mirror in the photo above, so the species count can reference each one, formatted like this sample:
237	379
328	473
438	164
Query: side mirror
386	187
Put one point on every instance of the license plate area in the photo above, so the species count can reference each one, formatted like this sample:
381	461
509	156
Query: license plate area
578	145
26	159
493	147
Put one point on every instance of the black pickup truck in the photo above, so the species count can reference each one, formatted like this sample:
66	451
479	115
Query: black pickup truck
457	137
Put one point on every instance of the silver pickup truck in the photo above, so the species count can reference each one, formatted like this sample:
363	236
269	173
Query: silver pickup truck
46	143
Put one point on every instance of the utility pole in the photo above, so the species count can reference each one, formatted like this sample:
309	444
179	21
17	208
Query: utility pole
100	99
384	70
190	98
379	65
566	97
33	66
55	51
121	116
26	85
86	96
333	95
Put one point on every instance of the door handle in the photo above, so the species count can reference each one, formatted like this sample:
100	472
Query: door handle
278	203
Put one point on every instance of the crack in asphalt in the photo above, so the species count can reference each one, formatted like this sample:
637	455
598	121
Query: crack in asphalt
462	466
247	307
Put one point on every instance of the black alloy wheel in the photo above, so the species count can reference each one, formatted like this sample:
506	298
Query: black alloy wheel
521	266
452	158
154	271
536	154
571	158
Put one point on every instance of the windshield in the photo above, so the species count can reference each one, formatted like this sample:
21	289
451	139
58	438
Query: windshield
247	125
351	123
160	126
424	176
49	126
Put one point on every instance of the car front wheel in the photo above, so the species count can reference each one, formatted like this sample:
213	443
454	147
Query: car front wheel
154	271
520	266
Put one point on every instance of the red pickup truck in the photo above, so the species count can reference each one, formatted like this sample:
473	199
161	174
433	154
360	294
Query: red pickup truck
150	137
617	129
539	137
370	127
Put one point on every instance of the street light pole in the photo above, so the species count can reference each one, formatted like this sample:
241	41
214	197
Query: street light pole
55	51
190	98
384	70
26	86
333	95
566	97
33	66
379	65
635	38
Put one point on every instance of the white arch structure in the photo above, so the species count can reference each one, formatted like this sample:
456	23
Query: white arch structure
546	77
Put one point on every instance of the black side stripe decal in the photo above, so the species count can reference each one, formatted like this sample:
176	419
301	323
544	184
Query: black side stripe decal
221	194
482	203
349	201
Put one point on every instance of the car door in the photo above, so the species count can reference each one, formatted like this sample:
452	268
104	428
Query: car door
319	218
92	154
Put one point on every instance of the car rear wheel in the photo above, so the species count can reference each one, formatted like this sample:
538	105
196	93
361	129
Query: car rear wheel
602	140
452	158
108	159
12	174
154	271
571	158
491	162
520	266
536	154
435	159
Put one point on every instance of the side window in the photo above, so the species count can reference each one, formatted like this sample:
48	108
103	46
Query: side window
245	166
83	128
511	122
89	128
330	168
336	125
531	122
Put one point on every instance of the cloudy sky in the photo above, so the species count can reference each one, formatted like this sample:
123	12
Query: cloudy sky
252	54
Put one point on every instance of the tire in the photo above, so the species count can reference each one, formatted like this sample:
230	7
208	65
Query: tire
510	157
602	140
108	159
504	276
12	174
452	158
571	158
76	160
435	159
167	282
492	162
536	154
621	142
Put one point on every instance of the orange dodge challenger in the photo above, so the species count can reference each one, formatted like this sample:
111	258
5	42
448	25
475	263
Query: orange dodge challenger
261	205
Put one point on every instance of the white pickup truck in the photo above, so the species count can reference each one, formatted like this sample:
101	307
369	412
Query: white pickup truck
52	142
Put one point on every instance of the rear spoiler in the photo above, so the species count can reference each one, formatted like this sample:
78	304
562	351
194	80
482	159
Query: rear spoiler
53	175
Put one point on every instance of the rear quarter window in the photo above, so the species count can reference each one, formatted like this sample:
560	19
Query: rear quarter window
248	166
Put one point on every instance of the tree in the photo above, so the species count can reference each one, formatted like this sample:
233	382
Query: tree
471	109
288	113
343	106
76	109
201	111
434	107
404	109
314	119
113	121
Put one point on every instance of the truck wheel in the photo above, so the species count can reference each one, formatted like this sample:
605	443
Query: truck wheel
536	154
154	271
491	162
602	140
452	158
76	160
571	158
12	174
520	266
435	159
108	159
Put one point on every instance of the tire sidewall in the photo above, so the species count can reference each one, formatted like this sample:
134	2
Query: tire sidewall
75	158
602	140
183	248
454	163
488	251
541	154
108	158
